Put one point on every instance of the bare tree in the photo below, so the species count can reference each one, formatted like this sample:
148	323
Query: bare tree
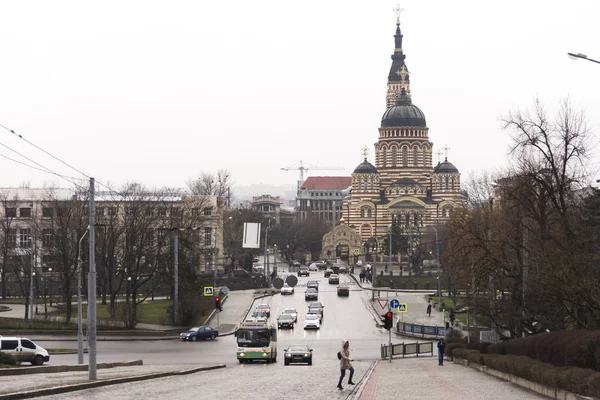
208	184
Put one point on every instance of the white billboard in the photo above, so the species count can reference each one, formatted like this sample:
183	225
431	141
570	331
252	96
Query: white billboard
251	235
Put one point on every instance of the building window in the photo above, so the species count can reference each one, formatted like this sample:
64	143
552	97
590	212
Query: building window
100	211
12	238
129	211
452	182
162	236
47	238
112	211
369	212
364	183
384	157
394	156
362	212
162	212
207	211
10	212
25	238
404	156
207	236
443	212
195	212
47	212
149	237
415	156
446	183
424	157
25	212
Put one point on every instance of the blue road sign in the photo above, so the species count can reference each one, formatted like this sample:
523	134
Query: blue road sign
394	303
209	291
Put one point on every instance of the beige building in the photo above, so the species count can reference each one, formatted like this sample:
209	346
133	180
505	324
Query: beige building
404	187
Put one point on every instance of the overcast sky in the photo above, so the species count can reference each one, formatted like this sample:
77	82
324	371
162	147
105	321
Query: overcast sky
158	92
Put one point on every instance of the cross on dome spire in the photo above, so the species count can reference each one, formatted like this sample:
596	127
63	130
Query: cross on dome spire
446	149
398	11
365	152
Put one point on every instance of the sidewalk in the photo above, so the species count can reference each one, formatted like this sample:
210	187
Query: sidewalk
421	378
234	311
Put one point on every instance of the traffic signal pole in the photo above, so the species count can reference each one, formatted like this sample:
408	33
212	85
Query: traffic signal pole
390	335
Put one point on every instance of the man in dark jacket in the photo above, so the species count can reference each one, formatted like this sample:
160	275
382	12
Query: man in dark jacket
441	350
429	309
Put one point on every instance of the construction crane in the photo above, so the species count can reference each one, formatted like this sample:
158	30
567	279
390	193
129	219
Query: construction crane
302	168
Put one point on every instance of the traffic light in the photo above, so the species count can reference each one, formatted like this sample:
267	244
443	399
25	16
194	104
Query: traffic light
218	303
388	320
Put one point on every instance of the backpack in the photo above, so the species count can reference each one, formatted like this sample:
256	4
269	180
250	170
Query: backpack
339	354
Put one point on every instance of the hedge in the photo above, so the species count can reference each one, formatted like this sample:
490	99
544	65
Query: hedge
573	348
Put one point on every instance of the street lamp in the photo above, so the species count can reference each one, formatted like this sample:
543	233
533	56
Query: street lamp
79	305
50	272
35	293
437	255
390	248
574	56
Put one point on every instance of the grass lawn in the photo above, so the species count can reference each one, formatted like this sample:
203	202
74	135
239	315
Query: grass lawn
148	312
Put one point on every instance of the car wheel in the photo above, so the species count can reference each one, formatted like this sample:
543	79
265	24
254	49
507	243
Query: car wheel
194	338
37	360
240	360
310	362
286	362
212	337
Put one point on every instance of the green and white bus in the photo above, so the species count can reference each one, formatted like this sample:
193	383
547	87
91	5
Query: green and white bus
256	341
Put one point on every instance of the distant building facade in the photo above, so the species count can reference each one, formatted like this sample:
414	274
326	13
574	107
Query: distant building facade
269	206
321	197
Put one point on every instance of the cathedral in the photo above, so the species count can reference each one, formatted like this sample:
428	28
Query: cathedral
403	187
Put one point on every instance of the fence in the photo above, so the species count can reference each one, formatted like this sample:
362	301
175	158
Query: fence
416	329
406	349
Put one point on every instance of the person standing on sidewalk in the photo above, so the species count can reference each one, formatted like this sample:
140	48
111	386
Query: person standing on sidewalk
441	350
429	309
345	364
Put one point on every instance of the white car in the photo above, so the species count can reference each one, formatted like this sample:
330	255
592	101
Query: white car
313	267
292	312
312	321
287	289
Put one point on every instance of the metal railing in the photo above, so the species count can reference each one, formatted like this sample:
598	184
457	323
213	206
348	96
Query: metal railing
406	349
417	329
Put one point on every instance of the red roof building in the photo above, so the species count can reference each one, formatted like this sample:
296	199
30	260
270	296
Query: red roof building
321	197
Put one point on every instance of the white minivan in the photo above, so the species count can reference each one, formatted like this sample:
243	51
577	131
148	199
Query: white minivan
24	350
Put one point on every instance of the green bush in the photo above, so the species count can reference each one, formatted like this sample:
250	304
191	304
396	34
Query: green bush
7	359
459	352
573	379
453	345
454	336
593	384
474	356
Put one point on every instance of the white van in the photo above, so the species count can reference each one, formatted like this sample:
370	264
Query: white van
24	350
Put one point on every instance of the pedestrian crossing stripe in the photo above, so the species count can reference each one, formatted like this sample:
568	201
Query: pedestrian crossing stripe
209	291
402	307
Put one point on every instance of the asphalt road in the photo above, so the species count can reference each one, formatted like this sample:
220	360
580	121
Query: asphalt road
344	318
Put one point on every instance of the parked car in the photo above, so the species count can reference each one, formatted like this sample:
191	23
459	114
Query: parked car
311	294
312	321
327	272
343	290
199	332
313	285
292	312
298	353
287	289
303	271
285	321
264	308
334	278
24	350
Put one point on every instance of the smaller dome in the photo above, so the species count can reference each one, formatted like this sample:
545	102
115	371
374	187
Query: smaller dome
445	167
365	167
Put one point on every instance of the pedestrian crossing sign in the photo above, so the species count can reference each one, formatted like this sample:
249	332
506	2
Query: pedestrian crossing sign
356	252
402	307
209	291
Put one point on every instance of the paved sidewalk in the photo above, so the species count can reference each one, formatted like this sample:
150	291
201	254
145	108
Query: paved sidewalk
422	379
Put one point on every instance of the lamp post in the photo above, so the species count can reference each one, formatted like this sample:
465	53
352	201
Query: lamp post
437	255
79	305
35	293
50	271
216	257
575	56
390	248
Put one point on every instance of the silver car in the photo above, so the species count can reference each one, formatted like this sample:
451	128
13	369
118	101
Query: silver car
24	350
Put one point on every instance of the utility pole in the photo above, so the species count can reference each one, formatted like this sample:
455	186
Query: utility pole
390	250
92	290
79	306
31	273
175	275
525	275
267	275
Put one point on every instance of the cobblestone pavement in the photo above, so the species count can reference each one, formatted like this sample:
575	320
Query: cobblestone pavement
422	379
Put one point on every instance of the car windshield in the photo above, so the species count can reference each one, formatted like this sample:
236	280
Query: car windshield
298	347
253	337
259	314
311	316
290	311
311	305
263	306
311	290
285	316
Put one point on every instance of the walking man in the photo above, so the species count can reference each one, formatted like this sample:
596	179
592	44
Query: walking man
452	317
429	309
345	364
441	350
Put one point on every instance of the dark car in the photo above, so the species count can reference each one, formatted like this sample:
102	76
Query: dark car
343	290
321	265
311	294
285	321
313	285
200	332
240	273
298	353
303	271
327	272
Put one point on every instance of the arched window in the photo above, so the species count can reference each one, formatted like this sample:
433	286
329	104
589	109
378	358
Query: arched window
369	212
415	156
404	156
452	180
364	183
371	183
443	212
446	183
362	212
394	156
384	157
424	154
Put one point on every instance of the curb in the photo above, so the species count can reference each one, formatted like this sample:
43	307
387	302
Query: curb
64	368
357	391
95	384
